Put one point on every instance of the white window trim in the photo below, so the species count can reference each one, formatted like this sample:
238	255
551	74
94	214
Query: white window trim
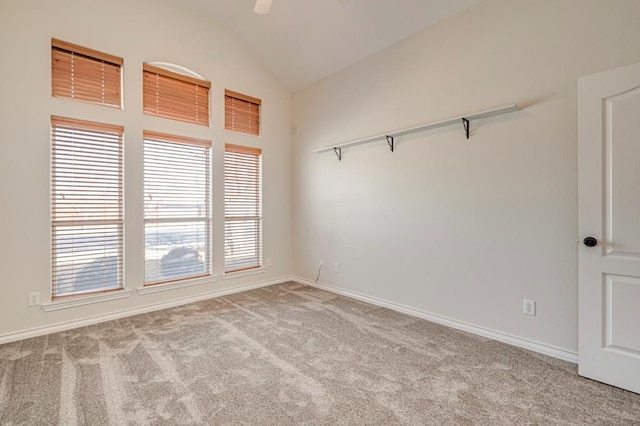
158	288
99	294
188	281
245	273
259	268
79	300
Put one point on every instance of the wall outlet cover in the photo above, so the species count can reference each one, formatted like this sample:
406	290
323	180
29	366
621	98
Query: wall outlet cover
529	307
34	299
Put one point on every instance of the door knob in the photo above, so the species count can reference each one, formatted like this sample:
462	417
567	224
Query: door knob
590	242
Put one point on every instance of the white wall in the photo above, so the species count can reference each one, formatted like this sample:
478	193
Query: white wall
462	229
138	31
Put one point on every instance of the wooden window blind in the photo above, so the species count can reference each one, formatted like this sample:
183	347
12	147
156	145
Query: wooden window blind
86	207
175	96
177	207
241	113
243	208
85	75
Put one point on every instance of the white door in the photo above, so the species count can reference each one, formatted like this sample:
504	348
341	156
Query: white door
609	212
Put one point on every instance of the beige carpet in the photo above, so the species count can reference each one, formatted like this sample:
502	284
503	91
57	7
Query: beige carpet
291	354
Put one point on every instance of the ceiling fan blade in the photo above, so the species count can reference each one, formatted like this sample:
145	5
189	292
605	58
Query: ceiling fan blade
262	7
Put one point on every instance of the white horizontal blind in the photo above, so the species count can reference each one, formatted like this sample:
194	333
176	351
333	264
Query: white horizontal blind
243	208
177	207
86	207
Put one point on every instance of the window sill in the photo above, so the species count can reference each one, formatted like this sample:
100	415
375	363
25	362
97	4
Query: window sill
254	271
85	300
156	288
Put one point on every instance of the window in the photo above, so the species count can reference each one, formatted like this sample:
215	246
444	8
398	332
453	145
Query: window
86	207
85	75
242	113
176	96
177	207
243	208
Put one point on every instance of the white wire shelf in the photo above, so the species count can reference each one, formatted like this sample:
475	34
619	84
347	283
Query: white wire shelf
389	137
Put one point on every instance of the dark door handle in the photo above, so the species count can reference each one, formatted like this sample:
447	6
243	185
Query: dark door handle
590	242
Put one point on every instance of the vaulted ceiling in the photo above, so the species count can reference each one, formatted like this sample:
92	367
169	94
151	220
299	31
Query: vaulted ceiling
303	41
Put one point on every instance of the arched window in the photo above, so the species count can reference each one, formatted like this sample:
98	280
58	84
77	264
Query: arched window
174	92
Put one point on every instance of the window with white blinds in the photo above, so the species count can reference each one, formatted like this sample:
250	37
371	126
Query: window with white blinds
84	74
86	207
243	208
241	113
177	207
175	96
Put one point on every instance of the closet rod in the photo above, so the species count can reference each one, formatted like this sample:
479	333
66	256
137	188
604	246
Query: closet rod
463	119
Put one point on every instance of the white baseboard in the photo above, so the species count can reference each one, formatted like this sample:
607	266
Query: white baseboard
40	331
538	347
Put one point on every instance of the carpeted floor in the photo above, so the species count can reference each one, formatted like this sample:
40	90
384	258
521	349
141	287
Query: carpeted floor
292	354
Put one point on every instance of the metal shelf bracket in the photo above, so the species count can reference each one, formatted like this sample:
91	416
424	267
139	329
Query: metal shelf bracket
390	142
465	124
338	152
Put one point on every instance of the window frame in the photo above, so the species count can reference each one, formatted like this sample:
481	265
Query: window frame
230	160
82	73
79	179
242	113
175	101
207	220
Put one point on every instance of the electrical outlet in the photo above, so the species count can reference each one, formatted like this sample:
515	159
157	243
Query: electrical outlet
34	299
268	262
336	267
529	307
321	264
